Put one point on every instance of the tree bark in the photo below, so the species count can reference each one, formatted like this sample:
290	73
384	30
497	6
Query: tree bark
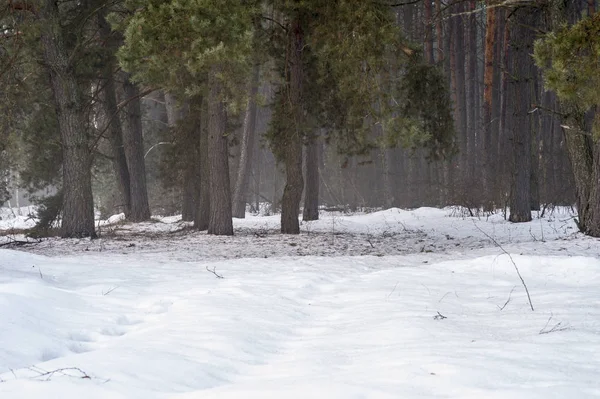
220	221
292	193
133	142
202	214
78	203
522	71
175	114
488	82
113	122
247	148
439	30
428	32
472	94
311	194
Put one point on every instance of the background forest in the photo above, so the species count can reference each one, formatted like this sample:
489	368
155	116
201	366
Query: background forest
211	108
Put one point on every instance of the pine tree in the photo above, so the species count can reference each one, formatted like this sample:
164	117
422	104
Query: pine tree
570	58
195	48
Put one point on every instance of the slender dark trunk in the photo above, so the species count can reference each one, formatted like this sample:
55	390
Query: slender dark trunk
311	194
490	39
78	203
247	147
292	193
428	32
220	221
133	142
175	114
472	121
522	71
535	142
202	214
112	120
439	30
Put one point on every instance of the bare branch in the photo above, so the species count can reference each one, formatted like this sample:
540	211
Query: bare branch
213	271
512	261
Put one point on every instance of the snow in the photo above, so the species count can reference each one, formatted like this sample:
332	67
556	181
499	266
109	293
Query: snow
396	304
16	218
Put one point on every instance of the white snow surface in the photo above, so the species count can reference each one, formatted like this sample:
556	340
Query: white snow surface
392	304
16	218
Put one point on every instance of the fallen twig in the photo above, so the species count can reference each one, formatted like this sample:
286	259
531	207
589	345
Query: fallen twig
64	371
512	261
557	327
213	271
110	290
439	316
390	294
508	300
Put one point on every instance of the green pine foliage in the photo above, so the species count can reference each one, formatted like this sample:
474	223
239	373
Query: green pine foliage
174	44
570	58
361	75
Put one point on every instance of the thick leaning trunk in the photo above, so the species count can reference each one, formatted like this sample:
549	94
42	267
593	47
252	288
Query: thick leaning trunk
220	221
311	194
78	203
243	175
292	193
113	122
584	155
133	142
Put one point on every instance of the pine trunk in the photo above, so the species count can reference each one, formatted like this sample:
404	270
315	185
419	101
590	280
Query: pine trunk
113	125
311	194
488	82
439	30
428	32
247	148
78	203
522	71
175	114
472	94
220	221
292	193
202	214
133	142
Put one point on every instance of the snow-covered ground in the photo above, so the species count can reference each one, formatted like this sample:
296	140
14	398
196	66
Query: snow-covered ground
16	218
392	304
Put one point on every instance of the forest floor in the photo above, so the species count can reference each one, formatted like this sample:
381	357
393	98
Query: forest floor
423	303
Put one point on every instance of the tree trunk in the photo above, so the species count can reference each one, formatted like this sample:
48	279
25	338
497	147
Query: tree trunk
292	193
78	203
247	147
522	71
472	121
220	221
488	82
113	122
428	32
311	195
175	114
202	214
439	30
133	142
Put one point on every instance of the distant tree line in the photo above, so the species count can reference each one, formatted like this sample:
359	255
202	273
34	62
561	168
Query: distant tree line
209	107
